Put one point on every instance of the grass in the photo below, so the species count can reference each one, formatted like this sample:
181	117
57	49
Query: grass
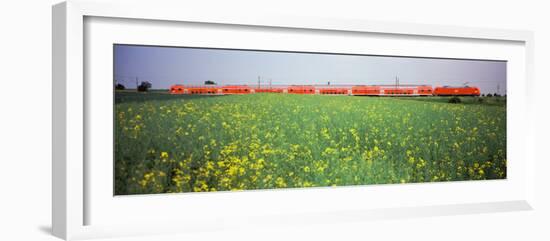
176	143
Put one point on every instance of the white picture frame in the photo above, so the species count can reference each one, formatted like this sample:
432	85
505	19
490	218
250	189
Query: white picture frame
71	190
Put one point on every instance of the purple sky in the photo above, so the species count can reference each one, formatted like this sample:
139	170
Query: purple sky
165	66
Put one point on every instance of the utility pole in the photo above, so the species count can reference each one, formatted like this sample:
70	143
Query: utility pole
270	83
498	88
396	82
137	83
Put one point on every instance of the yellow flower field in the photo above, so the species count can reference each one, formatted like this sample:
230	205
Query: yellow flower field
167	143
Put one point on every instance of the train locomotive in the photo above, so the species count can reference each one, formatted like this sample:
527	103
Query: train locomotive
355	90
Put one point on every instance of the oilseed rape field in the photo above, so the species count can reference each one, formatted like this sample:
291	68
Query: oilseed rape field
166	143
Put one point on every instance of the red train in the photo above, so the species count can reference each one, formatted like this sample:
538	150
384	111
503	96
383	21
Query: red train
269	90
301	89
453	91
334	91
236	89
359	90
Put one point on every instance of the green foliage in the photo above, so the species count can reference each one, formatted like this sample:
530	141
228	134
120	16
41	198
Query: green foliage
166	143
455	100
144	86
119	87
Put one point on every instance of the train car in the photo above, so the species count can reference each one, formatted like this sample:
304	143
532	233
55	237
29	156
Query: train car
236	89
268	90
424	90
398	91
301	89
177	89
365	90
277	90
201	90
333	91
381	90
456	91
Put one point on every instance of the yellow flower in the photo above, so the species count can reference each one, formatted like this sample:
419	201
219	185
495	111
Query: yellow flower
233	170
456	145
280	182
164	155
209	165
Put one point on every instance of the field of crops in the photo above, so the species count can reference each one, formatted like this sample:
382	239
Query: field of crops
166	143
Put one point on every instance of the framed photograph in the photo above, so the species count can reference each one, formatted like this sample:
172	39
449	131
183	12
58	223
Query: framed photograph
176	121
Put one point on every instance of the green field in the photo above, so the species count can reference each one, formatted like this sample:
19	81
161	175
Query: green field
175	143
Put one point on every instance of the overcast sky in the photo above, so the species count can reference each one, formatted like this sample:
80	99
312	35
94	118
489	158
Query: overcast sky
165	66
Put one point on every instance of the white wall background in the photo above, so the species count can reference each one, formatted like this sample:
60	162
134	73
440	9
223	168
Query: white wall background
25	119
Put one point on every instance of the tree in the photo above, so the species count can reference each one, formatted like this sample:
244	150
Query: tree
489	95
119	87
144	86
209	82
